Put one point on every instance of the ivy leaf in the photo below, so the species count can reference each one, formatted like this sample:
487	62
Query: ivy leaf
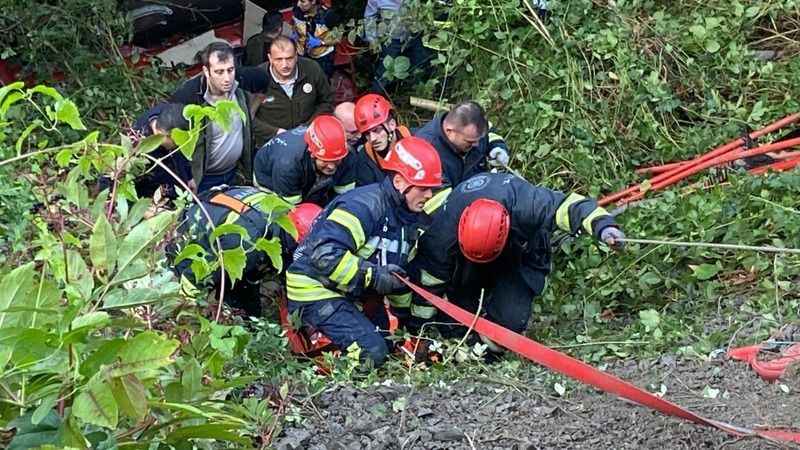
192	251
274	204
96	404
712	46
64	156
141	237
235	260
10	99
287	225
704	271
47	91
147	351
103	245
67	112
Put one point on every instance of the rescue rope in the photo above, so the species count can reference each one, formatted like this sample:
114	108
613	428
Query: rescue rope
755	248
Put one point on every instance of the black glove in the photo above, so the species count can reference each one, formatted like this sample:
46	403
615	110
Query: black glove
385	283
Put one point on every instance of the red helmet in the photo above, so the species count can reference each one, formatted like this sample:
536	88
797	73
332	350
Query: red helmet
302	216
325	138
483	230
415	160
371	110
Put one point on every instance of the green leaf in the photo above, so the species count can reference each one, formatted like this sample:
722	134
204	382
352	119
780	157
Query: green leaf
80	281
192	251
229	228
21	140
129	298
287	225
96	404
705	271
105	355
273	204
191	380
650	319
150	143
10	99
698	31
30	435
47	91
136	213
217	431
63	157
712	46
235	260
141	238
103	245
131	396
67	112
15	289
5	90
146	351
273	249
44	409
185	140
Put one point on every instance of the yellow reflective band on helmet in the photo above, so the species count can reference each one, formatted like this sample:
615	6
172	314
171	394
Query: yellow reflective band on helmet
189	289
345	270
429	280
300	288
587	222
562	213
423	312
436	201
351	223
341	189
400	300
494	137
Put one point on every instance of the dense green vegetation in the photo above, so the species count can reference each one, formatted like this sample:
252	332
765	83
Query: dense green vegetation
98	345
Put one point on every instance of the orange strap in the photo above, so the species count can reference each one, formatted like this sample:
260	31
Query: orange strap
223	199
402	130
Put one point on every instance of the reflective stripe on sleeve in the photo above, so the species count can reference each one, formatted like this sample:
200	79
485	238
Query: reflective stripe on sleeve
400	300
436	201
429	280
350	223
422	311
345	270
301	288
562	213
587	222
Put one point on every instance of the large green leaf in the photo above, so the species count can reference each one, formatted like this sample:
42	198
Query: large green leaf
103	245
105	355
229	228
67	112
147	351
78	278
96	404
131	396
150	143
29	435
186	141
15	290
141	238
272	248
235	259
191	379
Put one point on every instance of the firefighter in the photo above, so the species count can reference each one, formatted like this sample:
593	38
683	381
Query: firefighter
359	242
375	120
302	164
493	234
238	205
467	145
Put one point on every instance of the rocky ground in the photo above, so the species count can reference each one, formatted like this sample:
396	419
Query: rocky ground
513	413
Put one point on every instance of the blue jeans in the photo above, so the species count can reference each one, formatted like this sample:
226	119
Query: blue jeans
343	323
210	181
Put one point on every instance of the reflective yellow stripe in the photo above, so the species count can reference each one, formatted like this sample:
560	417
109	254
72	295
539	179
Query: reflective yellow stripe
345	270
344	188
368	277
400	300
494	137
587	222
562	213
429	280
351	223
366	250
232	217
423	312
301	288
436	201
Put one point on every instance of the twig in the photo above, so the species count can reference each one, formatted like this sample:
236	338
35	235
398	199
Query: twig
755	248
469	330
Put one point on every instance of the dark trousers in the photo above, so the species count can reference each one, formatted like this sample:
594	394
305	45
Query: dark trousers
418	55
508	294
344	324
326	64
209	181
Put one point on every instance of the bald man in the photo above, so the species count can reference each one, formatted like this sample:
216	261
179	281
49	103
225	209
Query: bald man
345	112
